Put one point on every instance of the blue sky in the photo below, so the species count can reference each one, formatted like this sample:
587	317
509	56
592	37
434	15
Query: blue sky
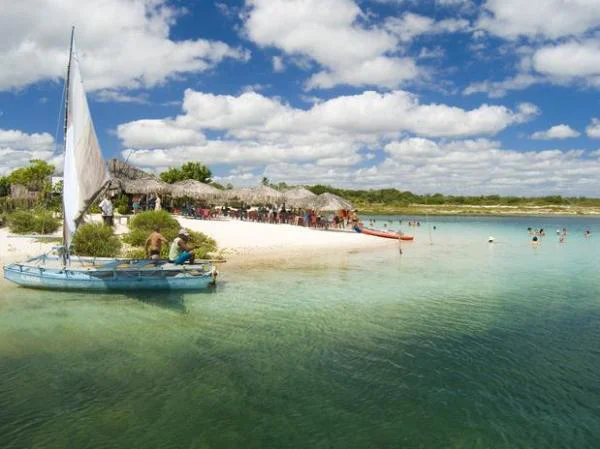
452	96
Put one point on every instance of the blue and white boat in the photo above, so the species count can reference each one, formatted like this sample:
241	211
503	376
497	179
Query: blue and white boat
104	274
85	178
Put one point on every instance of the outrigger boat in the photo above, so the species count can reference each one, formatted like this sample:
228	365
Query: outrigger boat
384	234
85	179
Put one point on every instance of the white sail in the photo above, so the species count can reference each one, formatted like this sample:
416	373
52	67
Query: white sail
84	172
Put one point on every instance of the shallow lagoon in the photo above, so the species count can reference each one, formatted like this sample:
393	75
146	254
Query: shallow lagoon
453	344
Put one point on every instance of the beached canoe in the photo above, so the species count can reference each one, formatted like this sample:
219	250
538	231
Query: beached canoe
384	234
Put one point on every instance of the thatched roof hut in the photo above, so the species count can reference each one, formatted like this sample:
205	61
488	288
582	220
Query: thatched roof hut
331	202
256	195
122	170
190	188
134	181
298	197
145	186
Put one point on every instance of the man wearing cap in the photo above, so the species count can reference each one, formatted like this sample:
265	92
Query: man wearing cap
181	251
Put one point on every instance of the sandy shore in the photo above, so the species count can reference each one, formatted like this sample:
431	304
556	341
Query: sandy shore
240	242
246	242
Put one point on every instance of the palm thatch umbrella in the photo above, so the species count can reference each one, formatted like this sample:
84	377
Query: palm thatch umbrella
191	188
299	197
145	186
257	195
330	202
238	193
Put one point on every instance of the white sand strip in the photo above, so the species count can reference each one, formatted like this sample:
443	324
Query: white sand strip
239	240
242	239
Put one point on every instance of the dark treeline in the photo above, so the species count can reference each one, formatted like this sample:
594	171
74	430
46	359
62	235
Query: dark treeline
394	197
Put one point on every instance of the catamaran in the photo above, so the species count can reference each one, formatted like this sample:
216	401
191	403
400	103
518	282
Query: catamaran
85	179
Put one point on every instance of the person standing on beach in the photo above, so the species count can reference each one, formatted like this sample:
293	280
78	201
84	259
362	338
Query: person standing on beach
154	243
107	211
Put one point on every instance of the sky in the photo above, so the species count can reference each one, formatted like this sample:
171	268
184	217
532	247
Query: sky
452	96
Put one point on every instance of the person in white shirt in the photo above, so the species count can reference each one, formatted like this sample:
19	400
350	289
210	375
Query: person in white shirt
107	211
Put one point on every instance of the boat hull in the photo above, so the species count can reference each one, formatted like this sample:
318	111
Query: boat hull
39	275
383	234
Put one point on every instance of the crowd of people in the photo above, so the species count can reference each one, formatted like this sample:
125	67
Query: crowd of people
537	234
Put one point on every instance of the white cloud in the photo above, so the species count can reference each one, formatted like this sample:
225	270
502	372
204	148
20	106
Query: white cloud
364	117
461	167
410	25
556	132
327	142
593	129
17	148
157	134
497	89
550	19
122	43
278	64
331	136
332	33
431	53
116	96
569	60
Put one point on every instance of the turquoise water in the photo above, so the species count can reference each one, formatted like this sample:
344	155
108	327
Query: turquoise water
455	343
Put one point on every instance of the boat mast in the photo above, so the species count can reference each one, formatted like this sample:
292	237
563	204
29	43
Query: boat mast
67	82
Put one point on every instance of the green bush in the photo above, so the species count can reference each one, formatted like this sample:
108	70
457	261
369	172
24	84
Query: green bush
122	205
135	253
146	221
96	240
204	244
40	222
142	225
45	223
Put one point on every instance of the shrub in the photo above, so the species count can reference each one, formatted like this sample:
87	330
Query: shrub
40	222
122	205
146	221
204	244
96	240
142	225
135	253
45	223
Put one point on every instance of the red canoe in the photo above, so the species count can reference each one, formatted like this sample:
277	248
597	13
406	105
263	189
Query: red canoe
384	234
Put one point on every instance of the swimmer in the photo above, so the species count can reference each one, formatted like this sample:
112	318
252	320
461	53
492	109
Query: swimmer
491	239
534	241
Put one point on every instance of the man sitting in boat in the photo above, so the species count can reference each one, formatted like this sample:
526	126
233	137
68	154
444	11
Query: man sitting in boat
181	251
154	243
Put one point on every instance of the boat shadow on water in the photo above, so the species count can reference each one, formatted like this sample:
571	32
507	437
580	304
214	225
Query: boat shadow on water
171	300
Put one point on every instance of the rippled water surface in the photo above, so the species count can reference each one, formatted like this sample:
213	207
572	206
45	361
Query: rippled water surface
453	344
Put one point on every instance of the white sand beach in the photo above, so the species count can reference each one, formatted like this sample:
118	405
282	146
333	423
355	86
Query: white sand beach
239	241
242	241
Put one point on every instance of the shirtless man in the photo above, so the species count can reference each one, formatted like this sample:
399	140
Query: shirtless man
154	242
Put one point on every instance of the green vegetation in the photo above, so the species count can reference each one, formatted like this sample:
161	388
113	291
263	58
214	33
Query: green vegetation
4	186
189	170
35	177
121	204
396	201
34	221
142	225
95	240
